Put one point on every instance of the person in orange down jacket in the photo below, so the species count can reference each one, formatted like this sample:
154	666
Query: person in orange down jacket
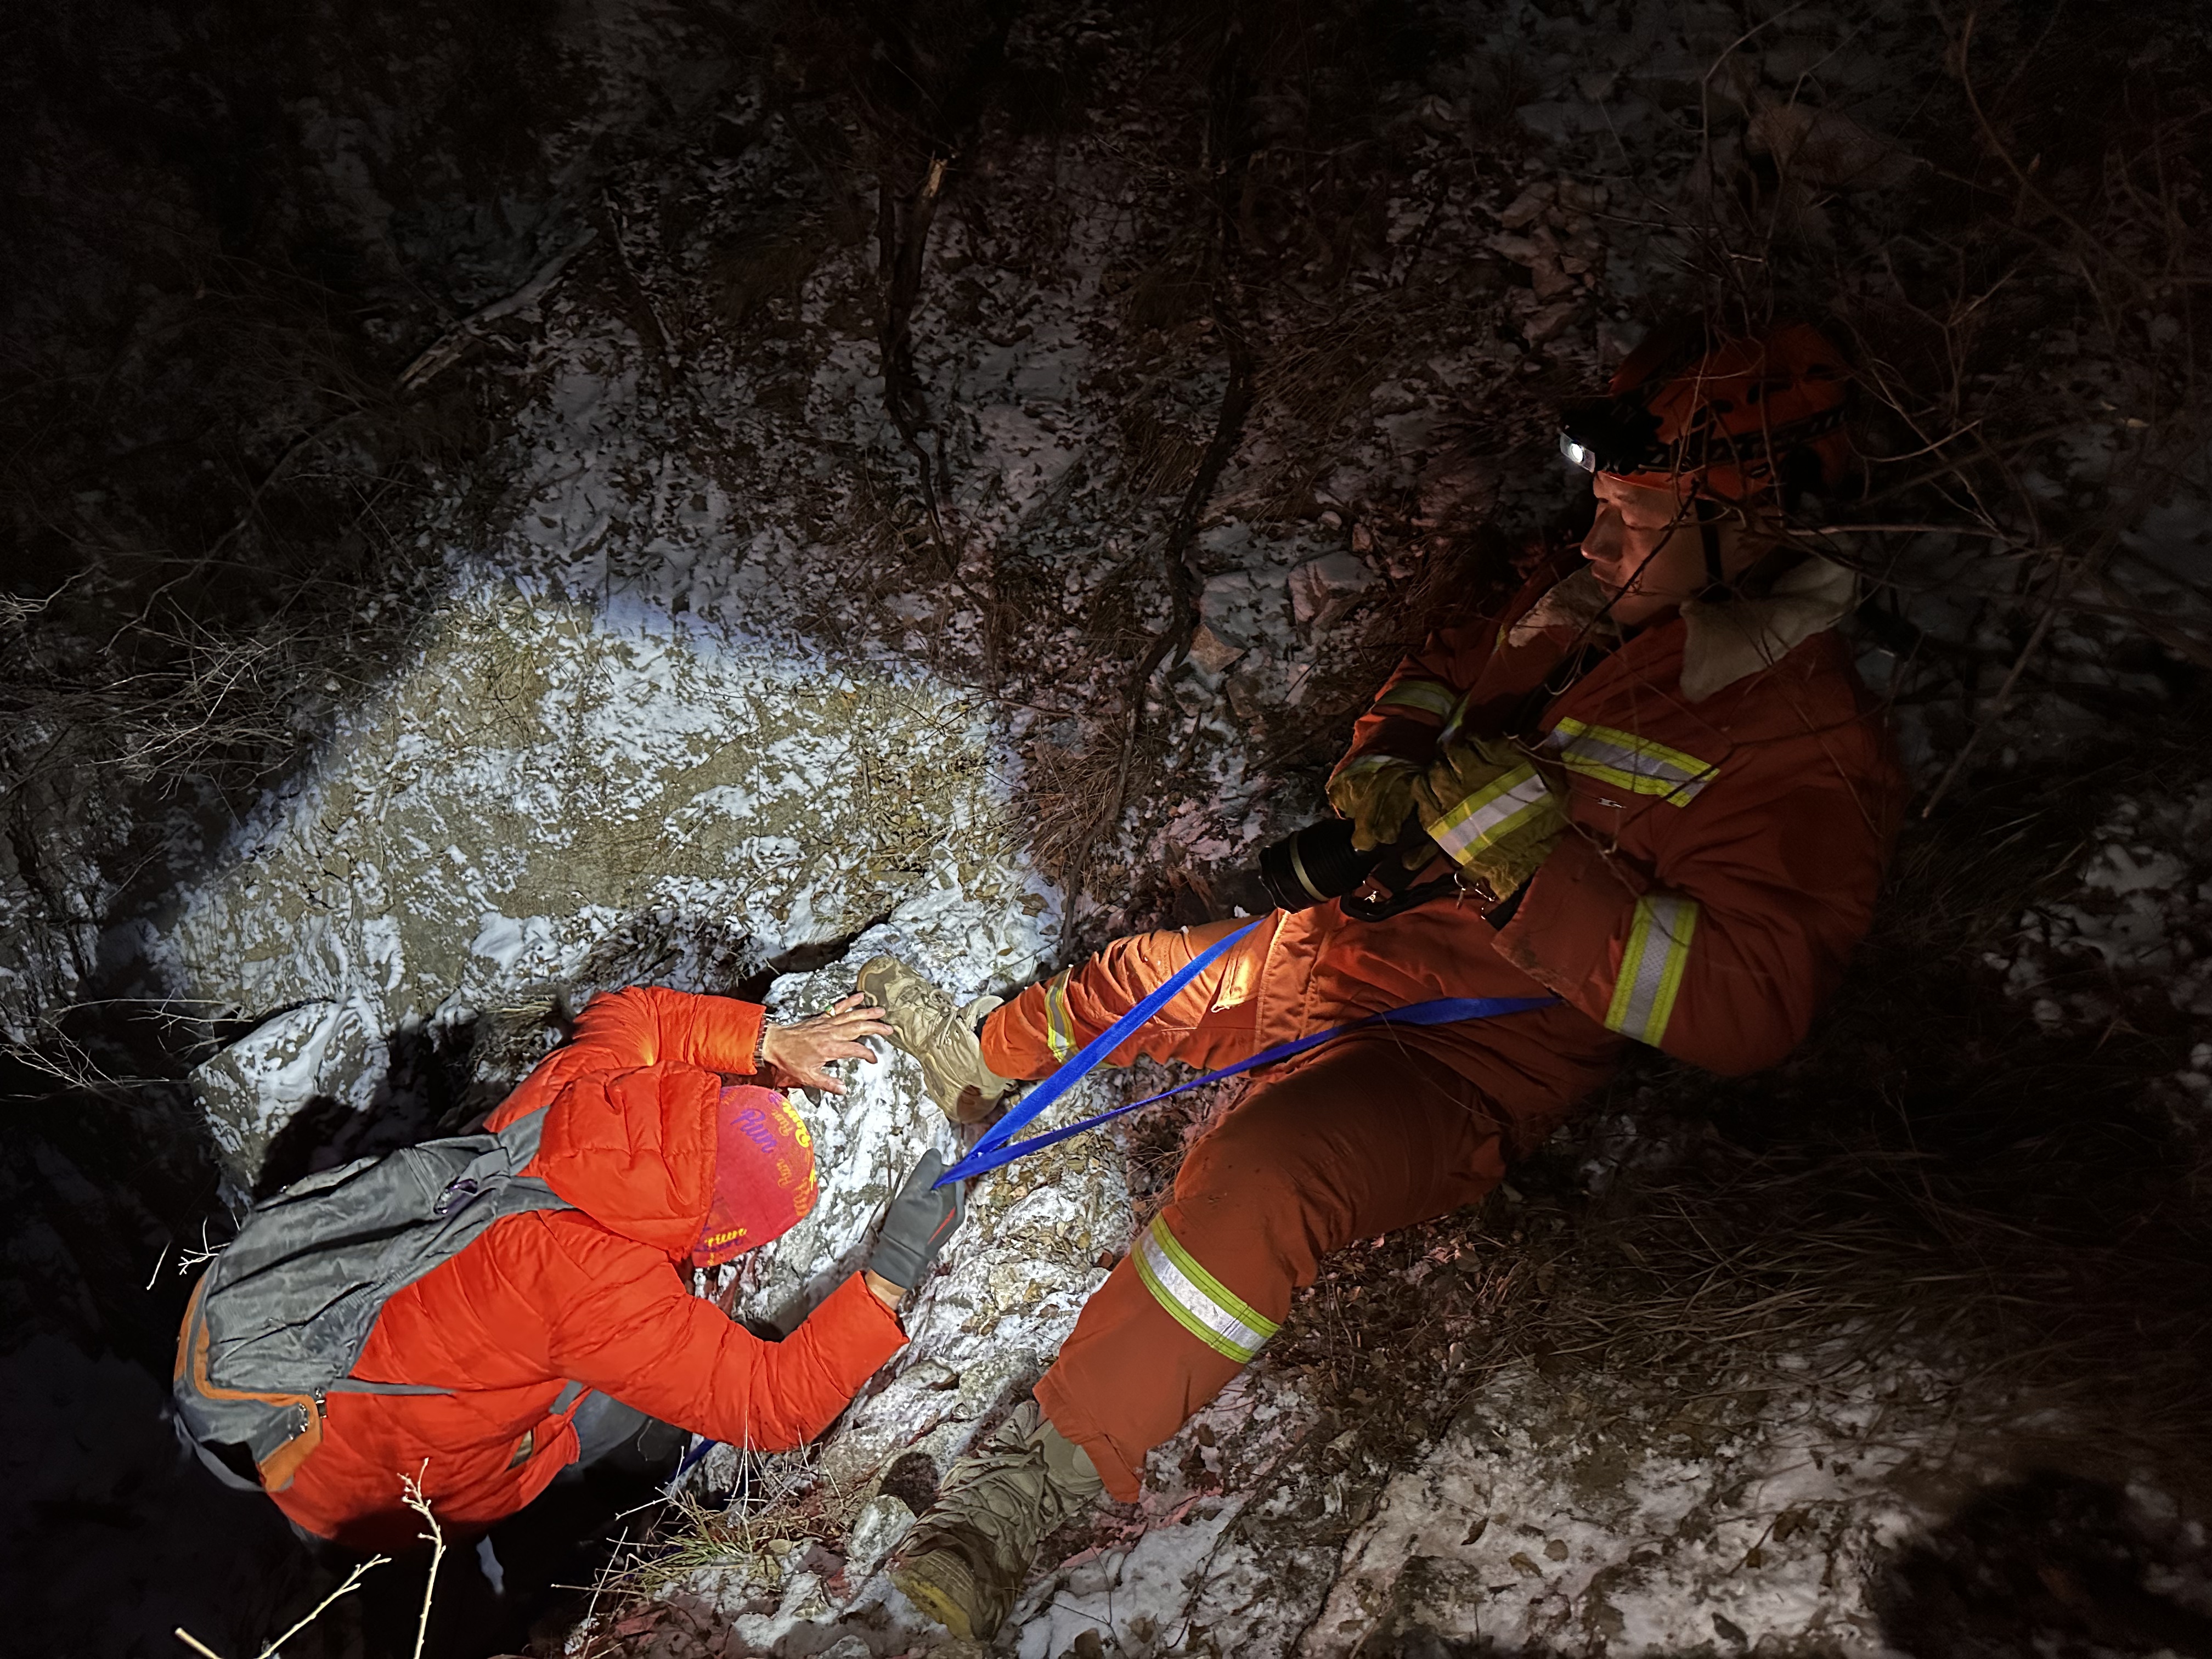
1652	789
562	1334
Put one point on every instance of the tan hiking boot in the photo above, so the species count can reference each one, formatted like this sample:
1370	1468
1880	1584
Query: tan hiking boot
967	1557
940	1033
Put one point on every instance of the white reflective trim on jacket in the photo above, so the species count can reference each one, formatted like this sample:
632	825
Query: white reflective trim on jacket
1498	807
1631	763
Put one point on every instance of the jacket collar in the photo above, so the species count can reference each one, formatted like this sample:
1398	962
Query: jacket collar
1723	640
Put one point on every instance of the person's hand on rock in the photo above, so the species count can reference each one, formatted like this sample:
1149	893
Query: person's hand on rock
805	1049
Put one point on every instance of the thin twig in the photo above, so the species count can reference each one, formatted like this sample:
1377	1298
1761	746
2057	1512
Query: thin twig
353	1578
449	346
412	1484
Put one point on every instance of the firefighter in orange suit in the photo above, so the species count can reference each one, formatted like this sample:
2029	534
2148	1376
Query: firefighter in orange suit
1652	788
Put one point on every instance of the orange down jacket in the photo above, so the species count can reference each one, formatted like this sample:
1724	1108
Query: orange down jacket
597	1294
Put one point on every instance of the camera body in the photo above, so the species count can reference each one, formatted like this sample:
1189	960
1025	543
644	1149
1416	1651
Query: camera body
1315	865
1318	864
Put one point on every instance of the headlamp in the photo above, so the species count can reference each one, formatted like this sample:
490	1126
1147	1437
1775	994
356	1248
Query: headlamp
1611	435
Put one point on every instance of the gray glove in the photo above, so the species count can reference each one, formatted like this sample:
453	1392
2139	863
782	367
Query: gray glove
918	1224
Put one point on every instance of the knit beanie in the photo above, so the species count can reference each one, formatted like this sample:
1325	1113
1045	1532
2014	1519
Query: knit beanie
763	1175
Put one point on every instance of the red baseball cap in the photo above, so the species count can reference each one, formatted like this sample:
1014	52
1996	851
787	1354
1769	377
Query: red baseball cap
764	1183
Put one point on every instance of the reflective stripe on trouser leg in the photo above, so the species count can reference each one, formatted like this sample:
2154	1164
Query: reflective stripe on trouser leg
1366	1138
1652	967
1059	1030
1196	1300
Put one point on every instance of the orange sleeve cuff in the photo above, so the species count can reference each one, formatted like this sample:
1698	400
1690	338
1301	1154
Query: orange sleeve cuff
1402	737
840	1345
729	1035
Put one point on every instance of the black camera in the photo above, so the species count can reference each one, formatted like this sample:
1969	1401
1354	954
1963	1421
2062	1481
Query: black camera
1315	865
1319	863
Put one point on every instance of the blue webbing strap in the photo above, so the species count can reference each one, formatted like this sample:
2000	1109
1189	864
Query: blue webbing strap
701	1446
998	1147
983	1156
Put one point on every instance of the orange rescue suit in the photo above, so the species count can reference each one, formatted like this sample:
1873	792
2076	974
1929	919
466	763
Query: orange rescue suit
1722	859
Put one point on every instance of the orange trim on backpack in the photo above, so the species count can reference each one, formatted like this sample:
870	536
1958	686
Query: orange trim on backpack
277	1469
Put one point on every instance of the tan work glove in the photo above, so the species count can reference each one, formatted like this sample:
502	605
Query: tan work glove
1376	791
1485	803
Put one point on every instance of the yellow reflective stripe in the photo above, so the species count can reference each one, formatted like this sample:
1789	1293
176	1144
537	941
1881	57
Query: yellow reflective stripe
1058	1030
1499	806
1628	762
1654	753
1197	1301
1428	696
1458	718
1652	967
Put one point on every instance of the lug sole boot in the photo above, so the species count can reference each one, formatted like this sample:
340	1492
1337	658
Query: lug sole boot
940	1033
967	1557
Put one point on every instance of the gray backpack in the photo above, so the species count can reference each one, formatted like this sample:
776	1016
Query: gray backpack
280	1317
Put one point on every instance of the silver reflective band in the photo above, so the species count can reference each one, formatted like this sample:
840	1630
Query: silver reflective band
1580	453
1299	869
1196	1300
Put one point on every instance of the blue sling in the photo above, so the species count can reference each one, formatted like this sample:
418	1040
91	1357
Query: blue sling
998	1146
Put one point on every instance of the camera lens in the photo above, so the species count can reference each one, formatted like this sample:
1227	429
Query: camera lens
1315	865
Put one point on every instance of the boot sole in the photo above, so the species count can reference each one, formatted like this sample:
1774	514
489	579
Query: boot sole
933	1601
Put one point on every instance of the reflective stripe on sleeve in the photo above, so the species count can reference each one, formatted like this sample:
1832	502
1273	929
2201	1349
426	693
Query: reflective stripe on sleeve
1059	1030
1197	1301
1652	967
1458	718
1425	697
1499	805
1628	762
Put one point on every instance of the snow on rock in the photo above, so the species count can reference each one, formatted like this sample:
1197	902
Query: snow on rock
1513	1534
326	1049
1323	589
556	794
1198	1563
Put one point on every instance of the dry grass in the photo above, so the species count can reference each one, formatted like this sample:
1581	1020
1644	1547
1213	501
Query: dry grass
787	1516
1160	454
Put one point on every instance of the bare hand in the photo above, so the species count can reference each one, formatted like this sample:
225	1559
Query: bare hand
806	1049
